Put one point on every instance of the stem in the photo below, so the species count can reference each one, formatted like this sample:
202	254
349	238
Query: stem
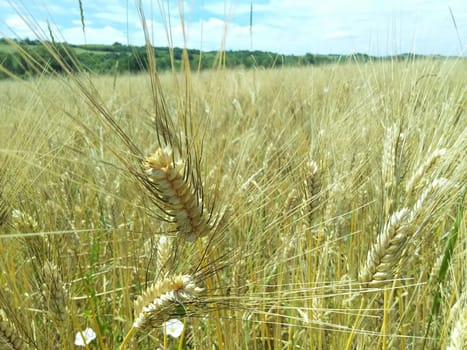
127	338
182	337
220	339
355	326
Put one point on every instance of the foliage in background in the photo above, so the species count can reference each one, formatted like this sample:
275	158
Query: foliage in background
108	59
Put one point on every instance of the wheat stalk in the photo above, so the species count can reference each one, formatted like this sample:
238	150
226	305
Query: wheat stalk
181	201
161	301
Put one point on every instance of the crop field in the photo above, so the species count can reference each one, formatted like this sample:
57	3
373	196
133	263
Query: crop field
292	208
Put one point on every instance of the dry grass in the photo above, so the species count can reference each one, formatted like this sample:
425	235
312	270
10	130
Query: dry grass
323	207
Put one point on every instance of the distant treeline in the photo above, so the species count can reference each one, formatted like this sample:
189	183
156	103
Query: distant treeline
26	58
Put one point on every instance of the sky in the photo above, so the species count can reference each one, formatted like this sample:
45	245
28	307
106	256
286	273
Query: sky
374	27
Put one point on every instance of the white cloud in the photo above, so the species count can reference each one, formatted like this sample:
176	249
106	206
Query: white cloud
15	26
113	13
105	34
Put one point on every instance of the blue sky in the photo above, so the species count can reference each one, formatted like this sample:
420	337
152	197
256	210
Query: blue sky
284	26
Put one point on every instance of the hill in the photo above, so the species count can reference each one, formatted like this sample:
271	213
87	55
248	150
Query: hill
119	58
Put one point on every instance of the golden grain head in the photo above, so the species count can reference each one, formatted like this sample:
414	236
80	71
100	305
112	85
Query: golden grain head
162	159
179	199
164	299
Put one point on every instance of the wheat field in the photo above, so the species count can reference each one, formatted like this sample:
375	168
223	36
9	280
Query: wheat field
294	208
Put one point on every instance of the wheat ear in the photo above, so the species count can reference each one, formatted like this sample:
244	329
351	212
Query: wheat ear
312	189
417	179
55	292
388	161
163	300
384	254
180	200
9	339
3	206
458	336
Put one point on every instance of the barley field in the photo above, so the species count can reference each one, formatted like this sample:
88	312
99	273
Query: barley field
294	208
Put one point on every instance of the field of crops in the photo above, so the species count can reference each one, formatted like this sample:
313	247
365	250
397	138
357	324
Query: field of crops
294	208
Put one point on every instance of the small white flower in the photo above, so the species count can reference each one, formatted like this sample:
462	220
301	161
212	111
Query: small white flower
174	327
85	337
